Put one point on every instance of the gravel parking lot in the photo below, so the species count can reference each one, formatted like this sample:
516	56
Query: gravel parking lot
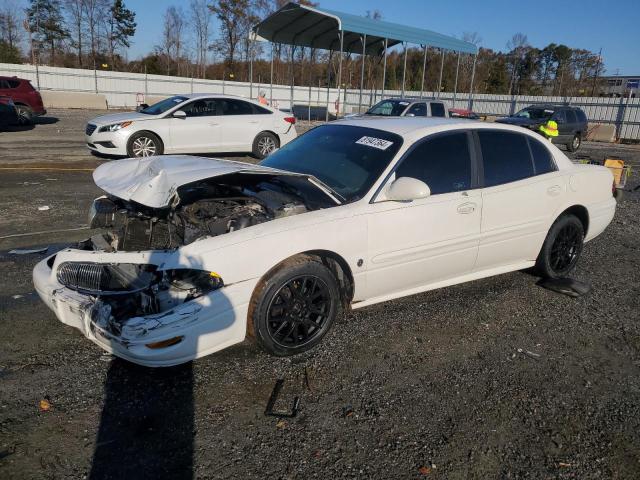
496	378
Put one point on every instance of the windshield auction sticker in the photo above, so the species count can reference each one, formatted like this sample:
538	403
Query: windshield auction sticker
378	143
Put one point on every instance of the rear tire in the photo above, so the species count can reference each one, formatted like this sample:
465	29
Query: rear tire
293	309
264	144
575	143
562	248
25	115
144	144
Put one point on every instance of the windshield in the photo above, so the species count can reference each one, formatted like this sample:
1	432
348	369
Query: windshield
388	108
535	113
164	105
347	159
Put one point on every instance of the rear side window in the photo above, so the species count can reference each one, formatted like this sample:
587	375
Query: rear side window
571	116
236	107
13	83
443	163
542	159
505	157
437	109
560	117
260	110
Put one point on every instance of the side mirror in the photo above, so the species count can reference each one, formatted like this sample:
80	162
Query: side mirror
142	106
181	114
405	189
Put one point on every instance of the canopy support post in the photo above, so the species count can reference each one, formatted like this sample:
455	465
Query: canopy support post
326	119
310	75
384	69
473	74
424	70
455	85
404	68
251	48
340	72
441	70
364	52
271	78
292	75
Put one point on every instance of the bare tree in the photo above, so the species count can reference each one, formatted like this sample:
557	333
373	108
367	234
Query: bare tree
95	14
201	22
10	31
75	14
171	47
517	47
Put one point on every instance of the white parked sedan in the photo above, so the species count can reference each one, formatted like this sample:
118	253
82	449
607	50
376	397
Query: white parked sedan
197	123
194	253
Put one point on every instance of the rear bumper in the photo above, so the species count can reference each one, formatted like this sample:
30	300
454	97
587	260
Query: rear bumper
600	216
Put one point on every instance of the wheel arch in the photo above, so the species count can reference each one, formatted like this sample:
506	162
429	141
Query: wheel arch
581	212
146	130
271	132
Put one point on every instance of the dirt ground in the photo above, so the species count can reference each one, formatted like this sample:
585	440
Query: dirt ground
496	378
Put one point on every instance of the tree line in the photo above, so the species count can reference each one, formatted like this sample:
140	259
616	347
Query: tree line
98	33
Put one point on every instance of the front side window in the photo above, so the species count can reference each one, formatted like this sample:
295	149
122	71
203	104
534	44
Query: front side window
535	113
437	109
388	108
505	156
442	162
200	108
560	117
346	158
164	105
418	110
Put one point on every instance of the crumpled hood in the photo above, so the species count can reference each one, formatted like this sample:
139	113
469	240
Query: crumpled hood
153	181
120	117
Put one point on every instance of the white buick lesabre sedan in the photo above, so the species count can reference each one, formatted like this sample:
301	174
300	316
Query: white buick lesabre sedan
192	254
197	123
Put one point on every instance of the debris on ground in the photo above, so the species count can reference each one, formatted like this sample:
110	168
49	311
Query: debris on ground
272	402
533	355
44	208
566	286
27	251
347	411
45	404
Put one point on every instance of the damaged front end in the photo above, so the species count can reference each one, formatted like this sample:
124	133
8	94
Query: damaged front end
199	210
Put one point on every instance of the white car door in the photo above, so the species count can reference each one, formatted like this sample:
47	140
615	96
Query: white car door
199	131
436	238
240	125
522	192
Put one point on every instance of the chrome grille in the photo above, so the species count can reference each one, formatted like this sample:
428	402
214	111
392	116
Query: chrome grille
84	276
90	129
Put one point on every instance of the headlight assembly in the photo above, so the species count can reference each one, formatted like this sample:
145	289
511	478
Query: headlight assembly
115	127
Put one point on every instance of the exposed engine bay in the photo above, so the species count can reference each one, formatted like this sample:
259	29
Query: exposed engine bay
199	210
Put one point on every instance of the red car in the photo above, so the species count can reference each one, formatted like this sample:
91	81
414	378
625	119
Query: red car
26	98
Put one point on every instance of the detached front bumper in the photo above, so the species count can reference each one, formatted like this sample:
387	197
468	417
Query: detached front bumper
206	324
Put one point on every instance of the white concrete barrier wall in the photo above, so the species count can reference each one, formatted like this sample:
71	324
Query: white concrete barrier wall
125	90
58	99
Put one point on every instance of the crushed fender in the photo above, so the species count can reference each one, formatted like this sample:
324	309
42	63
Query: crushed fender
566	286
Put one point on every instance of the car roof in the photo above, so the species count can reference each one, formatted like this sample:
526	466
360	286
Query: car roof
213	95
419	126
550	106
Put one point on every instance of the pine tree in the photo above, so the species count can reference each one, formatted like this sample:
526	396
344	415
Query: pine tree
122	26
47	24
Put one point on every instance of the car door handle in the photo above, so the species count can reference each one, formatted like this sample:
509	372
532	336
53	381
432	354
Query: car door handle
253	121
468	207
554	190
211	124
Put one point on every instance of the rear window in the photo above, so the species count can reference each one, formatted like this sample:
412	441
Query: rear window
505	157
437	109
388	108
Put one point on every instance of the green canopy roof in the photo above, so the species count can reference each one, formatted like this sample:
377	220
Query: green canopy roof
300	25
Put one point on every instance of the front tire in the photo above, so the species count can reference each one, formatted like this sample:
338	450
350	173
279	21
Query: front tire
144	144
264	144
294	308
575	143
562	247
25	115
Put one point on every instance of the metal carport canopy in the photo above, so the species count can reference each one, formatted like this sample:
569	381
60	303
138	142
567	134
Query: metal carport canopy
304	26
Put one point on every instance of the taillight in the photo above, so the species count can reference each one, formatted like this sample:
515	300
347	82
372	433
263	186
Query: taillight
291	120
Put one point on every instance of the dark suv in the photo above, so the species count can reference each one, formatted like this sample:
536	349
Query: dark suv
572	122
26	98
